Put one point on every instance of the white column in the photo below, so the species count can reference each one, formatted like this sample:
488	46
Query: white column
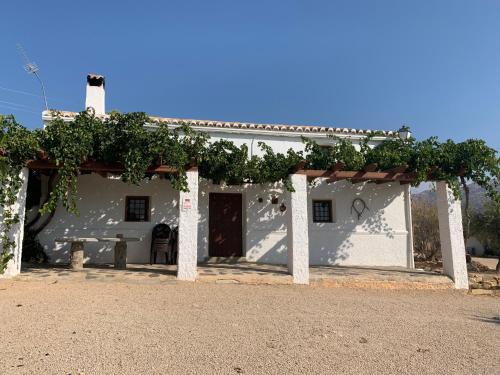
188	229
298	231
17	231
451	235
410	262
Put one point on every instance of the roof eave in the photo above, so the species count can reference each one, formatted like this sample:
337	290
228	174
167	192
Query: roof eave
248	128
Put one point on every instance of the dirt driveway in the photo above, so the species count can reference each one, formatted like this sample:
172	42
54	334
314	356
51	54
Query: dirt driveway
51	327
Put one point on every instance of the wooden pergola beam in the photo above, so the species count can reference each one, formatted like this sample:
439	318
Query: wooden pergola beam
299	167
371	167
400	169
343	175
369	174
40	164
315	173
98	167
338	166
335	173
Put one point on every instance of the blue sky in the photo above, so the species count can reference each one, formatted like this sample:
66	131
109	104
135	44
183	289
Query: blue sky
434	65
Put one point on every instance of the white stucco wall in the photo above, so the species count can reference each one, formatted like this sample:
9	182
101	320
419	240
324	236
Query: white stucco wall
278	141
381	237
378	238
101	202
264	226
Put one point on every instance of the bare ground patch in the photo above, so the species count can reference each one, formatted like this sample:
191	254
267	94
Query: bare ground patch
71	327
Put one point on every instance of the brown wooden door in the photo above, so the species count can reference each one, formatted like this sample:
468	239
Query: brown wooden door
225	225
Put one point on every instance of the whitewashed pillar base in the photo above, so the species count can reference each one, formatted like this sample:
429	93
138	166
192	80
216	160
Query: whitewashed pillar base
410	261
17	232
298	231
451	235
188	229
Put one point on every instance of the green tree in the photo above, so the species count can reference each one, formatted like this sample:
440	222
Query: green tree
485	226
425	223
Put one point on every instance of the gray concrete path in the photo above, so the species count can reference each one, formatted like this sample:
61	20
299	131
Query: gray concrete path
248	273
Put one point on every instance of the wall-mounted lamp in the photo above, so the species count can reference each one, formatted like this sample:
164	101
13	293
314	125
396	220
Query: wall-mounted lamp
274	199
282	207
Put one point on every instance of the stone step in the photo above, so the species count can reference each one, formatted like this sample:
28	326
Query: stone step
224	260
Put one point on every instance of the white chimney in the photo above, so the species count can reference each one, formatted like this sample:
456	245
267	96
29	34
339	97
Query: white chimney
95	93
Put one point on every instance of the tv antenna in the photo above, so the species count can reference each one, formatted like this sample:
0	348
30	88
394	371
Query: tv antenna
32	68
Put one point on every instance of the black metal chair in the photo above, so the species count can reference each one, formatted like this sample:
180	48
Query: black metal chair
174	235
160	239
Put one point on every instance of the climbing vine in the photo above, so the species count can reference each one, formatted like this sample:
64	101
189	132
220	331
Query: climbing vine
137	145
17	144
343	151
274	167
471	160
120	138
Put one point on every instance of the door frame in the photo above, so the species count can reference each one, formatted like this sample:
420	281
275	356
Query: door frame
243	219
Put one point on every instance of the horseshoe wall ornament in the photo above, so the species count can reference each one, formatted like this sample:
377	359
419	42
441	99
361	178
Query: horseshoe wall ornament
359	206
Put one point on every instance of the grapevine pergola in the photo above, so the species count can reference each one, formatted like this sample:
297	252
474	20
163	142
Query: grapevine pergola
399	174
98	167
121	144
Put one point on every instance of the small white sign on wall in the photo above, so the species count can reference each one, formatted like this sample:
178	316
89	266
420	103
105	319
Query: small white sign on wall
186	204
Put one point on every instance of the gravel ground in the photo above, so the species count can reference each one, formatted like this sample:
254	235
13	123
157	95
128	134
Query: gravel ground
196	328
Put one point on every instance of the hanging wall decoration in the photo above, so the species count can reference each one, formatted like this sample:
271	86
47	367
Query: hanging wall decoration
359	206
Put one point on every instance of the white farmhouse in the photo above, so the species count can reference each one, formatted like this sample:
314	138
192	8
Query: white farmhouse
321	223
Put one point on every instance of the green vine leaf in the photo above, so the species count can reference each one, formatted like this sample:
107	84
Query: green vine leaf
17	145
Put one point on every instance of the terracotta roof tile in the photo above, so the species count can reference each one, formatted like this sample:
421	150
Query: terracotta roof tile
245	125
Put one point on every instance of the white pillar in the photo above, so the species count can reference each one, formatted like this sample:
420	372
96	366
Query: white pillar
188	229
298	231
451	235
410	262
17	231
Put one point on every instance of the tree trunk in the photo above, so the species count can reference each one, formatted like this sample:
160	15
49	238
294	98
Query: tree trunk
50	216
35	220
498	266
